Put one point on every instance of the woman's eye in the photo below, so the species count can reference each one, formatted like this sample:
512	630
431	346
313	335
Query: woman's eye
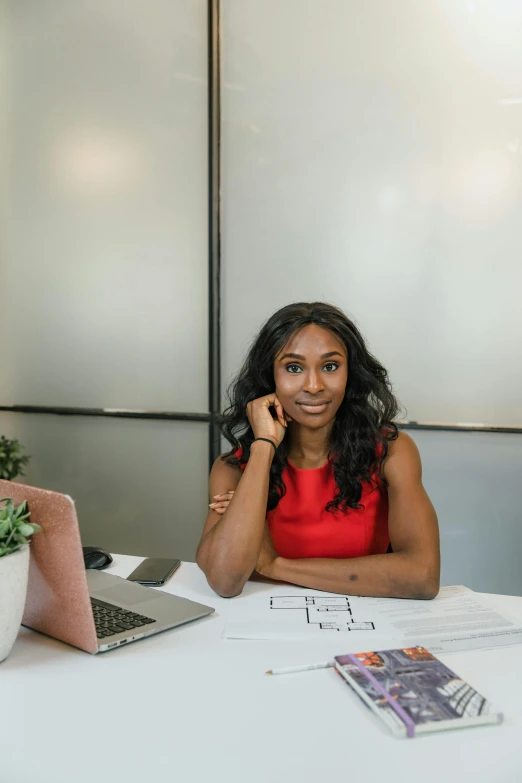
295	368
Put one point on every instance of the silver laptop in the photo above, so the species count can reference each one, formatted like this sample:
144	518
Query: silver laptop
92	610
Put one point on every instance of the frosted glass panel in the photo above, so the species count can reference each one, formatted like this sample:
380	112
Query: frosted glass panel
140	486
104	247
372	157
473	480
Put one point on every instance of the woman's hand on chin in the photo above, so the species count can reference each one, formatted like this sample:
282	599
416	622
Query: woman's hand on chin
263	424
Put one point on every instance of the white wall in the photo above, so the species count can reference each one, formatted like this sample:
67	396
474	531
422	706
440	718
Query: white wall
140	486
105	247
103	259
372	157
474	481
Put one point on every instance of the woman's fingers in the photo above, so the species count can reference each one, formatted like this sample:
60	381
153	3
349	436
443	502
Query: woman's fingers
280	412
263	422
221	501
272	401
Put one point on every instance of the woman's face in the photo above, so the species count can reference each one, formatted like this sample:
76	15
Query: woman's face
310	376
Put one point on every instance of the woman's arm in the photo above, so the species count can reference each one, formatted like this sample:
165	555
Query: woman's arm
230	542
412	570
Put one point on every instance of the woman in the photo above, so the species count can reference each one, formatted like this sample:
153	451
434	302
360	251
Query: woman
320	488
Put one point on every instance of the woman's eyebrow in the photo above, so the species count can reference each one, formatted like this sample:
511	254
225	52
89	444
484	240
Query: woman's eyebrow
331	353
303	358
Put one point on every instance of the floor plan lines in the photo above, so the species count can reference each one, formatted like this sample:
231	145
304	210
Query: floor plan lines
327	613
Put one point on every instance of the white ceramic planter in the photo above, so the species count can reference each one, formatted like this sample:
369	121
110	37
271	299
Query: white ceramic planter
14	570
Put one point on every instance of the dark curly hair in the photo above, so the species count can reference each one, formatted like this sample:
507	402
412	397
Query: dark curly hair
364	423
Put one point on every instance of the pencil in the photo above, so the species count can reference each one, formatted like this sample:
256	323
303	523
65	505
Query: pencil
308	668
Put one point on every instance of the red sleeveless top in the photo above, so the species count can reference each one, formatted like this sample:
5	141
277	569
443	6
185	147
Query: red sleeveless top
301	527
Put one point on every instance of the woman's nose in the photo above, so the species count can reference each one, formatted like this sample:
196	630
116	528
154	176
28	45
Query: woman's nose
313	382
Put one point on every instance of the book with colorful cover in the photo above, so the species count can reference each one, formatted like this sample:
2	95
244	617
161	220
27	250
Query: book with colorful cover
413	692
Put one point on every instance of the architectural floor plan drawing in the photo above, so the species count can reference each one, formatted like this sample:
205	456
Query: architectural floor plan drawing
327	613
284	612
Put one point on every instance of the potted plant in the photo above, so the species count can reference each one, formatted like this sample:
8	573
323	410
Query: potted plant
12	461
15	532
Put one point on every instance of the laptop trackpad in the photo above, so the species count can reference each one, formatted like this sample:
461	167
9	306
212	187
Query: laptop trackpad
122	595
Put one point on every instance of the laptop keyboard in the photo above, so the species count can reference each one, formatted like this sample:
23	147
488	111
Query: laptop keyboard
110	619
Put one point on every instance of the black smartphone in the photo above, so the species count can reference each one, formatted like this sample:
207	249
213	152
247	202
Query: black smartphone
154	571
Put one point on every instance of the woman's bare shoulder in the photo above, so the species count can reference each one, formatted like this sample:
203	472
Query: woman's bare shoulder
403	459
224	473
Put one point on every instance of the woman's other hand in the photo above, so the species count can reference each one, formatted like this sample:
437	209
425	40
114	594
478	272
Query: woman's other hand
221	502
263	424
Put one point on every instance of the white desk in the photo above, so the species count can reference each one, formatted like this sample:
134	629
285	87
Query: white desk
188	705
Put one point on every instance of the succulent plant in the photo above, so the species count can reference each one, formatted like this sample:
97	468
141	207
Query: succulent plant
12	460
15	528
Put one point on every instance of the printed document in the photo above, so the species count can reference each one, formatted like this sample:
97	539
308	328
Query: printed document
458	619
